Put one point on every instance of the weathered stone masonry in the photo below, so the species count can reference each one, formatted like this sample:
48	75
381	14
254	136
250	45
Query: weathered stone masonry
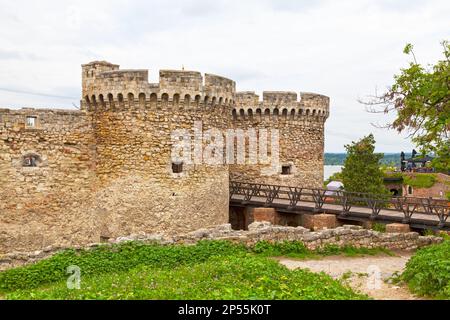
347	235
106	170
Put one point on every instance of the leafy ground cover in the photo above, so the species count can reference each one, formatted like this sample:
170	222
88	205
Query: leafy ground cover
207	270
428	271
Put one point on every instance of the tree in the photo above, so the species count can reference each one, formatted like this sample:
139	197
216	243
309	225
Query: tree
420	97
362	172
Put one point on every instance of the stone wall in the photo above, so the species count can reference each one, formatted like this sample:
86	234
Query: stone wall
258	231
438	191
301	136
40	206
134	147
106	170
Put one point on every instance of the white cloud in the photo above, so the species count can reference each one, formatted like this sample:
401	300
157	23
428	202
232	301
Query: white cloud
344	49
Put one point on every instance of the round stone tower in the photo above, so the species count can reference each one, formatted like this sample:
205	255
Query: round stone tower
139	186
300	129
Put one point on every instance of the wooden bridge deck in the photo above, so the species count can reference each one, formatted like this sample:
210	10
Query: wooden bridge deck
421	213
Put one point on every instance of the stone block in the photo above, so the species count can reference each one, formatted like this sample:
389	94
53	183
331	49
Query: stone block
397	228
265	214
319	221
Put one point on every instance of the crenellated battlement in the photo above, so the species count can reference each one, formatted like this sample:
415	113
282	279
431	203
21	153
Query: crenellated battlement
105	86
280	105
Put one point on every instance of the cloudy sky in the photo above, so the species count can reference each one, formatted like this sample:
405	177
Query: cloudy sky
345	49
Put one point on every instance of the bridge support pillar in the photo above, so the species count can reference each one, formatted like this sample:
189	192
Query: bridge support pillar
398	228
319	221
265	214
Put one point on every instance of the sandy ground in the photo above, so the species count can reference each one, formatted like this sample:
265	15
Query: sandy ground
368	274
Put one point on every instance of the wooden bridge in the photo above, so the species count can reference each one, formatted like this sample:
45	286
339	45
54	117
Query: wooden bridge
419	213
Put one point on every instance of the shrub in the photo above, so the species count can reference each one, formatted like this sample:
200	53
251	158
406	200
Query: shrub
428	233
428	271
380	227
421	180
285	248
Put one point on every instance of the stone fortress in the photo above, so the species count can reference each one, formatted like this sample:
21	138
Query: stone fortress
77	177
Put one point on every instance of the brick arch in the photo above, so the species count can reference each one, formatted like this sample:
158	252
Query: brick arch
187	100
250	114
234	114
142	98
165	99
111	101
197	100
176	100
130	99
258	114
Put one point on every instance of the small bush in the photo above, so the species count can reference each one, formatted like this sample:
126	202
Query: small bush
285	248
428	233
380	227
428	271
350	251
422	180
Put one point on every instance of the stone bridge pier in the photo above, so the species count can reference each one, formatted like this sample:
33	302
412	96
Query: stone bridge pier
242	217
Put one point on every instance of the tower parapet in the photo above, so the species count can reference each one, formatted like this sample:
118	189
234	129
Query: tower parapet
277	105
105	86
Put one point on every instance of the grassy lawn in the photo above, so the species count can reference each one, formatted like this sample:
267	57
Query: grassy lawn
207	270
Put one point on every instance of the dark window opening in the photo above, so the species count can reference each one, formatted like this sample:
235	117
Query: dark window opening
410	190
285	170
30	161
31	122
177	167
395	192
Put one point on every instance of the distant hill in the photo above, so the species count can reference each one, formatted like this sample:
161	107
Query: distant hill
337	159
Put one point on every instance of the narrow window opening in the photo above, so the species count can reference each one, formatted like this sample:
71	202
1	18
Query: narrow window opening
177	167
31	122
30	161
286	169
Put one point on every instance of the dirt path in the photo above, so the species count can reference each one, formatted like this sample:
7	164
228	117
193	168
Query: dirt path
369	274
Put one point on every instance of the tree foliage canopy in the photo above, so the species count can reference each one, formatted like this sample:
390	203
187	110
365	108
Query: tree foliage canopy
362	172
420	96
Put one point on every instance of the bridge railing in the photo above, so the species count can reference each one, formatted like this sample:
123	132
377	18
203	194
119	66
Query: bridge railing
291	198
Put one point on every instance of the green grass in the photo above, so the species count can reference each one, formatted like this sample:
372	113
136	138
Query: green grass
429	233
380	227
296	249
428	271
117	258
207	270
422	180
242	277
